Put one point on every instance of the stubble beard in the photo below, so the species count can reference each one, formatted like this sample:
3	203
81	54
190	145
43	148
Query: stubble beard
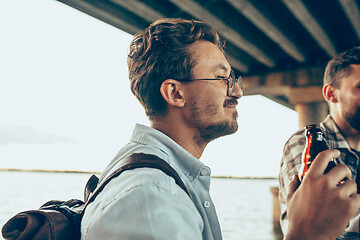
220	129
354	119
351	114
207	133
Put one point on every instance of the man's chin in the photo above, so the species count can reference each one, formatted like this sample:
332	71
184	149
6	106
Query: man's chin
235	128
220	129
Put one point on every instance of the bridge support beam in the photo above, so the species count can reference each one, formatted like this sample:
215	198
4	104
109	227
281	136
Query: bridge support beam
300	90
311	113
309	103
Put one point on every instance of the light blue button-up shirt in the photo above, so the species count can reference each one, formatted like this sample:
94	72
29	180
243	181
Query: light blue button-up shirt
146	203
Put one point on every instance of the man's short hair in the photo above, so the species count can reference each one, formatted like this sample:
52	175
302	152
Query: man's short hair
161	52
338	66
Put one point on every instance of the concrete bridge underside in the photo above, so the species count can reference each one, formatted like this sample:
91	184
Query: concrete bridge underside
299	90
280	47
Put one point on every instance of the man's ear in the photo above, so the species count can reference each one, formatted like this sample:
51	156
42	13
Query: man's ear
330	93
172	91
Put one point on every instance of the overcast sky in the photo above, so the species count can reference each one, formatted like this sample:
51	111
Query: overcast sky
66	104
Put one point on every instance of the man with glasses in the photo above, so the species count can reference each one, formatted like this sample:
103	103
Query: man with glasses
181	77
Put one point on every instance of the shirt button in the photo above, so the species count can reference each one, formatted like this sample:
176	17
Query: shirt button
204	172
190	178
206	204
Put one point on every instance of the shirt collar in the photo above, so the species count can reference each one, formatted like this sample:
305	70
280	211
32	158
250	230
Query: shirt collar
187	163
334	136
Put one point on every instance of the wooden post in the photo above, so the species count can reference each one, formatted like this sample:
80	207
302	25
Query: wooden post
276	213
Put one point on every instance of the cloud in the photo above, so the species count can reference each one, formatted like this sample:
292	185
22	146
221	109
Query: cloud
10	133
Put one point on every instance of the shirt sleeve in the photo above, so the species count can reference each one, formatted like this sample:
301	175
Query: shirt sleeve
289	166
149	205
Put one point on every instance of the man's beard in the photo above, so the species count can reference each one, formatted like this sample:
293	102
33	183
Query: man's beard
354	119
215	130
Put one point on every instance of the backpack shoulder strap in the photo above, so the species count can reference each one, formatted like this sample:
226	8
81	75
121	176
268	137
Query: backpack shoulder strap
139	160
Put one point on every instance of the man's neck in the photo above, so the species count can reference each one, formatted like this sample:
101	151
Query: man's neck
353	139
351	135
181	134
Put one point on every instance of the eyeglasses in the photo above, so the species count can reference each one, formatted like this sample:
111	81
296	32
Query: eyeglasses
231	81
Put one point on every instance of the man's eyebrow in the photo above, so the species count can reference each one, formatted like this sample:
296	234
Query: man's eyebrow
222	67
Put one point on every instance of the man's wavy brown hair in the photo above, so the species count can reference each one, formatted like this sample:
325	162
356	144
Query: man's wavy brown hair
162	52
338	67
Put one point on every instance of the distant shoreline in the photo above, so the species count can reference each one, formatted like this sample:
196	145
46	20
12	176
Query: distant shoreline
45	170
246	177
95	172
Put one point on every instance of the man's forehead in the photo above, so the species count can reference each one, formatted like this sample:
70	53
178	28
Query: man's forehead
221	66
208	55
355	66
354	69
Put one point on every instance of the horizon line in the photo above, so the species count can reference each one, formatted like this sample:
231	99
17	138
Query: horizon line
97	172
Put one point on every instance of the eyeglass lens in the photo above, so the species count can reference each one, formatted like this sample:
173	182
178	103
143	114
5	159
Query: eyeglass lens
232	81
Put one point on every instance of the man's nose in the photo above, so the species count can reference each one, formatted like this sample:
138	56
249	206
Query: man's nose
237	92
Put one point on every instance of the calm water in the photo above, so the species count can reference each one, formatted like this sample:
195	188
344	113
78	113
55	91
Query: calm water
244	206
